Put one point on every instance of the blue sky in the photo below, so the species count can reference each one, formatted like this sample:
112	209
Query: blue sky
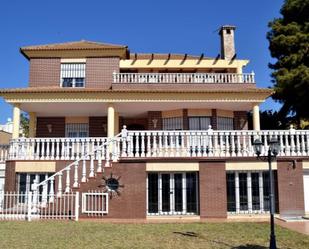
145	26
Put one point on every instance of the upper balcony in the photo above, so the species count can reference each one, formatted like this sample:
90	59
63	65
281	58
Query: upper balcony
183	78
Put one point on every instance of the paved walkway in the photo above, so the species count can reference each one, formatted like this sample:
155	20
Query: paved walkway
298	226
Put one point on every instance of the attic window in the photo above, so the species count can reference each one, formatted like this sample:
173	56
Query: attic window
73	74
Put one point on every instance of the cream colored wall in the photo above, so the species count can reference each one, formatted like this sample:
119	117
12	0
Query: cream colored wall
225	113
30	167
305	164
248	166
77	120
172	166
199	112
172	113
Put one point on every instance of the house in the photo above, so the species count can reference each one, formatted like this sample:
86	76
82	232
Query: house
162	134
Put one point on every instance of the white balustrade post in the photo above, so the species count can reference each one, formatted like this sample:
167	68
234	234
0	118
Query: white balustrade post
59	192
75	184
84	173
67	183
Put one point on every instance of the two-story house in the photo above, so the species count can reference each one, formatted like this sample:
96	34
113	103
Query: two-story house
163	134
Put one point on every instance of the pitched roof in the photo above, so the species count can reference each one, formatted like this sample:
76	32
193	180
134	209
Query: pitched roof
75	45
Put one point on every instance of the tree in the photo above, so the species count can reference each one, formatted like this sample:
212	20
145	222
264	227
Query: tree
289	45
24	124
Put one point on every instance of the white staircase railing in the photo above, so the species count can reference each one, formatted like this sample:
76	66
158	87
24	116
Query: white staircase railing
211	143
68	178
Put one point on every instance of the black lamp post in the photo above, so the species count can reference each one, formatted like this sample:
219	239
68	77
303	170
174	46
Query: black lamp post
272	153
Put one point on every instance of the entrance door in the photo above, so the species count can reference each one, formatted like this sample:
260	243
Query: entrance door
306	191
172	193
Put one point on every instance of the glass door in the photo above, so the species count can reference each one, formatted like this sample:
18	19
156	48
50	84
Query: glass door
172	193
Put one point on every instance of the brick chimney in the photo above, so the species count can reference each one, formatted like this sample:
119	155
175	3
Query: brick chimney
227	42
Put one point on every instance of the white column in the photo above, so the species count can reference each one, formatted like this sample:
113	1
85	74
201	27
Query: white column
110	120
32	124
256	117
16	121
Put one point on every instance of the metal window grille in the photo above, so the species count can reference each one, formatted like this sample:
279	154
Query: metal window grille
225	123
199	123
73	74
173	123
76	130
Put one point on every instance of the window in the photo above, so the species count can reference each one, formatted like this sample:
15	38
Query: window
248	192
199	123
225	123
173	123
76	130
73	74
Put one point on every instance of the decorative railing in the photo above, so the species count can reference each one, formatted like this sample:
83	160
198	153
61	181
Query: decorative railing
4	152
52	148
193	78
210	143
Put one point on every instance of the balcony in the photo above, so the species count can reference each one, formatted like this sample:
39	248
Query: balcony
4	152
181	78
163	144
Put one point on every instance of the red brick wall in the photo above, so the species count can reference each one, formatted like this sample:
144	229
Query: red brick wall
212	177
58	127
290	188
44	72
96	126
99	72
10	176
131	203
238	117
185	119
155	115
214	119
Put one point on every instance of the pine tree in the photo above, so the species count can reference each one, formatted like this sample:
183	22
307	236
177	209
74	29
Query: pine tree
289	45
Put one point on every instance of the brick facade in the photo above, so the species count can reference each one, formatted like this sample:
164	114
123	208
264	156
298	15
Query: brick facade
97	126
290	188
10	176
99	72
44	72
185	119
214	119
240	120
155	115
212	177
57	126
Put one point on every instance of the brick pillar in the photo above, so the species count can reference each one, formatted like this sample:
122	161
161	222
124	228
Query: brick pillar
214	119
290	188
185	119
212	177
10	176
155	115
240	120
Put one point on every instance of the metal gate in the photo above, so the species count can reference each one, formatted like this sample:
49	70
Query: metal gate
95	203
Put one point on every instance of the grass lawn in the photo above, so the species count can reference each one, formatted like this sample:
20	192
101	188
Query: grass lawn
88	234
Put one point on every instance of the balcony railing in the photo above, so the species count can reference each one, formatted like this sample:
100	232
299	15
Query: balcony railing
210	143
52	148
175	78
165	144
4	152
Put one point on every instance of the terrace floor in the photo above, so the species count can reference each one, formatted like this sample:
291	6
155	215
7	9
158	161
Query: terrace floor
94	234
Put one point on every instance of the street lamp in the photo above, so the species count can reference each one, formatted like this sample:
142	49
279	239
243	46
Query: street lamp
272	153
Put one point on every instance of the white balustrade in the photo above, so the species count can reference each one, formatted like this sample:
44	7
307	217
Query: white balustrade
50	148
175	78
4	152
211	143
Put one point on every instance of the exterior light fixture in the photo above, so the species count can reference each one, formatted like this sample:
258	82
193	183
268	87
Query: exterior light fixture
50	128
273	150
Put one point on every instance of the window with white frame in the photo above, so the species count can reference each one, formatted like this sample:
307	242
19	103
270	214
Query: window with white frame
199	123
225	123
73	74
175	123
76	130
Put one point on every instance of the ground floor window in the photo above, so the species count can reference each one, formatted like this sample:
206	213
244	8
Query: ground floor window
172	193
24	181
248	192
